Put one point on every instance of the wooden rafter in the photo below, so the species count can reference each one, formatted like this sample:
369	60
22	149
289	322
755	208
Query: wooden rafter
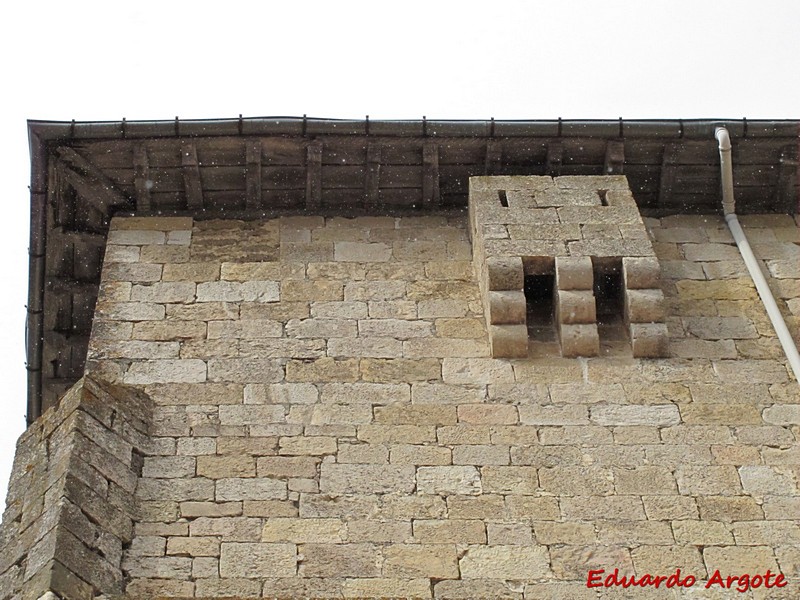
786	192
253	170
669	171
372	179
314	175
555	156
494	158
89	181
191	176
430	175
141	175
615	158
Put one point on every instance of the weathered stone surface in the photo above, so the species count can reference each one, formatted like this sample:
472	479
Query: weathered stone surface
166	371
649	340
505	562
644	306
509	480
237	488
575	307
306	587
645	480
708	480
536	414
576	481
641	273
230	291
786	414
659	416
767	481
229	529
508	341
661	559
504	273
437	561
366	478
506	307
307	445
464	480
304	530
385	587
245	370
340	560
130	311
579	340
753	559
220	467
421	455
450	531
449	589
717	328
249	560
400	370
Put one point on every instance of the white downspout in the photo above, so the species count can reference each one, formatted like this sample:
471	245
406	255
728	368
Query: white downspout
753	266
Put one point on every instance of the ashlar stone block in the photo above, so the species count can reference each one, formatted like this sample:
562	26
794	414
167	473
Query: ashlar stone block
644	306
504	273
649	340
253	560
639	273
579	340
509	341
507	307
574	273
576	307
505	562
461	480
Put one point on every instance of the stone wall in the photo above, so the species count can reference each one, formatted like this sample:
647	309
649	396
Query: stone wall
328	420
70	506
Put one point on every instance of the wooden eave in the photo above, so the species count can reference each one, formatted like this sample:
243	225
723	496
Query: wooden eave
83	173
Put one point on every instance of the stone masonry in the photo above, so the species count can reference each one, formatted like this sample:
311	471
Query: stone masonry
71	507
534	225
328	422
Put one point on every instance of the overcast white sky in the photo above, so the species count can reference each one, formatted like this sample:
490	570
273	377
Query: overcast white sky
503	59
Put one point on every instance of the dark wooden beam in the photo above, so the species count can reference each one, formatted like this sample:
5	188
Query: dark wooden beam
615	158
65	285
430	174
787	198
494	158
104	192
314	175
253	170
555	156
87	191
372	179
669	171
191	176
141	175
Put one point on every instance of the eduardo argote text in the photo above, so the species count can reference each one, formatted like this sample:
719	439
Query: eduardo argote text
599	578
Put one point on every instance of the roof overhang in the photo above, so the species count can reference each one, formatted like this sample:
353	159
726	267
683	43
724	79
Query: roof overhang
83	173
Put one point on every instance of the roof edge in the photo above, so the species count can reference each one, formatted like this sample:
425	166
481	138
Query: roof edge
310	126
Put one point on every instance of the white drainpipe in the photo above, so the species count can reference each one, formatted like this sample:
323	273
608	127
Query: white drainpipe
753	266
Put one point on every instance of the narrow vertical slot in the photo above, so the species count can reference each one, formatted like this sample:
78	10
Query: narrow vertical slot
603	194
539	289
608	293
503	198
